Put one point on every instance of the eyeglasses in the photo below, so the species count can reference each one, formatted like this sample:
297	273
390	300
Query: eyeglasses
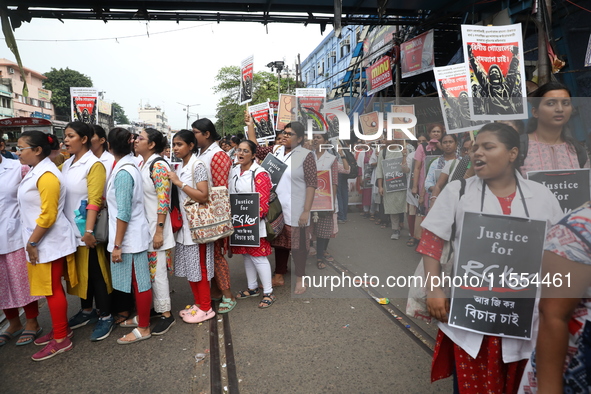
197	132
288	134
19	149
242	151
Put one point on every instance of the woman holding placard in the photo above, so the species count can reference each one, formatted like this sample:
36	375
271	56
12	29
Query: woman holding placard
482	363
423	158
249	177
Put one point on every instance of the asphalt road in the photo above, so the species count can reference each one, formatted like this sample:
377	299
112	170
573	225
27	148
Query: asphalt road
321	342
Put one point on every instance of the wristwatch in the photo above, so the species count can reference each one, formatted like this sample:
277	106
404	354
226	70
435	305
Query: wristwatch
160	224
34	244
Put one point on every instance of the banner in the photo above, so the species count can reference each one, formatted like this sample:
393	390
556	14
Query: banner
104	107
417	55
394	178
245	212
44	94
331	119
494	66
275	168
377	42
379	75
285	110
452	88
310	103
570	187
497	274
84	105
246	76
324	194
262	116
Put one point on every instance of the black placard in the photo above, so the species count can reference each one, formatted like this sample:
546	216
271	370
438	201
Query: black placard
245	219
497	272
275	168
367	172
570	187
394	178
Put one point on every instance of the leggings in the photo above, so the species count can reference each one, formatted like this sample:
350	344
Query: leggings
31	311
57	302
97	288
201	293
321	246
143	301
260	265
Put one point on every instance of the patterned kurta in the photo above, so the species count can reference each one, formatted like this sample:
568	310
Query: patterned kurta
541	156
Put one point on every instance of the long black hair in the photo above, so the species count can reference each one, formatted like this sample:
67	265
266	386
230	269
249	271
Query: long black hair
157	138
204	125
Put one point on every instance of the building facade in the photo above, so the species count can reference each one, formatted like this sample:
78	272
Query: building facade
154	117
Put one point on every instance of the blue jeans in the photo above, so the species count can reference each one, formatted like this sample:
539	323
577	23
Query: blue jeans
343	197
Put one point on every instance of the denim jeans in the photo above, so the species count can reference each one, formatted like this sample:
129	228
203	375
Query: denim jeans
343	197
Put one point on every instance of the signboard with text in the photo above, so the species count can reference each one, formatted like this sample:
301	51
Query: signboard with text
394	178
245	219
570	187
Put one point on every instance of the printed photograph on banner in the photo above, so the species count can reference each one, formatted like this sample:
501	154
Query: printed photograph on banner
452	88
402	109
262	116
246	75
379	75
324	195
331	119
84	105
494	67
370	123
285	110
416	55
310	103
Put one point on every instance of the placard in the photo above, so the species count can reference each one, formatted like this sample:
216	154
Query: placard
324	194
331	119
494	67
275	168
84	105
310	103
246	76
262	117
370	123
367	172
570	187
245	210
405	109
285	111
497	274
394	178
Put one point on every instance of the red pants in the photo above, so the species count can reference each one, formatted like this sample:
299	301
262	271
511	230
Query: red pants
57	302
31	311
143	301
201	289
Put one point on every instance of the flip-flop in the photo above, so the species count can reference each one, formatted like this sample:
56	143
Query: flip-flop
30	336
6	336
134	322
138	337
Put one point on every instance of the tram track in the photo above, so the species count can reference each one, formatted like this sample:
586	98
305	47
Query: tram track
222	371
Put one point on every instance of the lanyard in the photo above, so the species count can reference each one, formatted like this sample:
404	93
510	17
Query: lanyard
520	194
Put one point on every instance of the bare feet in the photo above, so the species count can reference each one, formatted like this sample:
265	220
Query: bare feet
278	280
299	288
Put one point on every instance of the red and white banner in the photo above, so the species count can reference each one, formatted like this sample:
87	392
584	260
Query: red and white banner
246	77
416	55
379	75
84	105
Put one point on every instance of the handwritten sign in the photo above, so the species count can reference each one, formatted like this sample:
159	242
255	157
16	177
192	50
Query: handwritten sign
394	178
323	196
570	187
275	168
245	219
497	274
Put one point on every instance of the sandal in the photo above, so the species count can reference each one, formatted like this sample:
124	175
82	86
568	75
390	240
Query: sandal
267	301
412	242
320	264
328	257
120	318
6	336
372	217
248	293
377	222
29	336
228	304
384	225
138	337
134	322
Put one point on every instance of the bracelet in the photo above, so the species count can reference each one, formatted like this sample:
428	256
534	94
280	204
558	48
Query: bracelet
433	197
182	187
90	231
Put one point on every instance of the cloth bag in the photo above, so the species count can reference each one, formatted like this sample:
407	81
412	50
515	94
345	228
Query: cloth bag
274	222
210	221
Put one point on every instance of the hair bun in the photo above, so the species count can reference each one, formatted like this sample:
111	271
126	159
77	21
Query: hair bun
50	138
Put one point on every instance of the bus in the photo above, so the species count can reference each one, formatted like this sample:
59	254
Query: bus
14	127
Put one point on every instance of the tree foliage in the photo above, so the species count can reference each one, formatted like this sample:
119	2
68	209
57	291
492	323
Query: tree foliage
59	82
230	115
119	116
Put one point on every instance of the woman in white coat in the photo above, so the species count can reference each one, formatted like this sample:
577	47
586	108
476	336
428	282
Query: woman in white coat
481	363
48	236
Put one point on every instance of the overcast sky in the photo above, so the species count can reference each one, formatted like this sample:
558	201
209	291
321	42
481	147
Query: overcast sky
162	69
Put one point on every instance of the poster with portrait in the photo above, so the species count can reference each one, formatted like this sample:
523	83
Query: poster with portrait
309	106
246	76
324	194
285	111
84	105
452	88
417	55
245	219
331	119
495	71
262	116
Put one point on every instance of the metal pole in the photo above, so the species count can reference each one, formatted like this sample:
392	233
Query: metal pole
543	61
187	125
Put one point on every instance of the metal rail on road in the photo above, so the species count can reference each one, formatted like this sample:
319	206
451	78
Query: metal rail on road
217	359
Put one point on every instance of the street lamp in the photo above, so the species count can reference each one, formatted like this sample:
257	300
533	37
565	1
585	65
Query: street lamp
279	66
187	109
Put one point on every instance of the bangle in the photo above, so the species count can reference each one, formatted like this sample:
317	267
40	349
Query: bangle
182	187
433	197
90	231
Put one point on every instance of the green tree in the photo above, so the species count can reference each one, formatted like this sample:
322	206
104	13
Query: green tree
59	82
119	116
230	115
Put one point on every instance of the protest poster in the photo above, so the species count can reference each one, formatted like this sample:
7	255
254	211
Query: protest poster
285	110
452	88
367	172
275	168
310	103
262	117
246	75
570	187
244	208
354	194
324	194
379	75
84	106
497	274
403	109
394	178
331	119
416	55
370	123
494	67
